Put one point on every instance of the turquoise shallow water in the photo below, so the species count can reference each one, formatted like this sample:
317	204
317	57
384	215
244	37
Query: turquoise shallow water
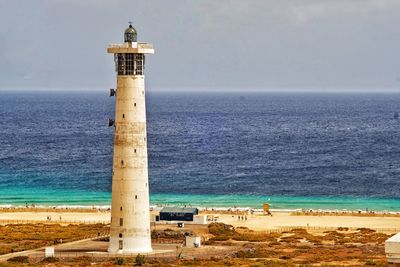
20	196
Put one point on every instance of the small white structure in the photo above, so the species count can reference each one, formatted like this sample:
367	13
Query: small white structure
392	250
49	252
193	241
200	219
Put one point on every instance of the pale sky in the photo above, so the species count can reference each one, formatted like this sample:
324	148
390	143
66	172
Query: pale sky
204	45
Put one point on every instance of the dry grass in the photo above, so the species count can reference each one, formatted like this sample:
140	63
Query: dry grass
224	232
243	247
163	263
18	237
169	234
298	246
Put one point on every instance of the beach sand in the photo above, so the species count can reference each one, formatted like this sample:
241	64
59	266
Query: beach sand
281	220
257	221
58	216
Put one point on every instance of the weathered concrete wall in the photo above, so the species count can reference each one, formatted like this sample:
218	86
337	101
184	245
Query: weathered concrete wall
130	190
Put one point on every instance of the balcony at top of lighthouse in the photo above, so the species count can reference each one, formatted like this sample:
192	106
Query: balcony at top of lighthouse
131	45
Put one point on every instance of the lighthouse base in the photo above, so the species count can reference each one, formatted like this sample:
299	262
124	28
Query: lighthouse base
129	245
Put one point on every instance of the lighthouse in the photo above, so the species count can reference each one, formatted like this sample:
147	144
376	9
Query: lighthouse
130	215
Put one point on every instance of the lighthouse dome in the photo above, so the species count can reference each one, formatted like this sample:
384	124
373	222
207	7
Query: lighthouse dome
130	34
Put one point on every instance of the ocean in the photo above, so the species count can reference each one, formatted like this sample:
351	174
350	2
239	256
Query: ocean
293	150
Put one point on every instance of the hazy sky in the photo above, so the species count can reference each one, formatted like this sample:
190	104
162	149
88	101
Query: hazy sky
207	44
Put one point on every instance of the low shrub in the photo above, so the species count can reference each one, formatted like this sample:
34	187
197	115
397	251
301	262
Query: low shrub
19	259
284	257
140	260
119	261
370	263
50	260
221	229
365	230
219	238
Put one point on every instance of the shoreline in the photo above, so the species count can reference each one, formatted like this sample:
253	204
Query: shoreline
203	210
44	198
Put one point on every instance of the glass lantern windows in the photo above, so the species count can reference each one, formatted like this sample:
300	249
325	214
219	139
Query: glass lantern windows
130	64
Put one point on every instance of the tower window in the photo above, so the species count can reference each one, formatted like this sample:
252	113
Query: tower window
134	150
121	221
122	162
134	104
123	116
120	235
120	208
135	196
121	244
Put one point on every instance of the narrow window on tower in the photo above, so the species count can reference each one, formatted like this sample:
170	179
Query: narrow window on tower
120	235
120	208
121	221
121	246
134	104
134	150
122	163
123	116
135	196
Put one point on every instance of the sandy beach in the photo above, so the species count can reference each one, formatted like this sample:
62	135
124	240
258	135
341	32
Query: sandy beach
257	221
57	216
286	220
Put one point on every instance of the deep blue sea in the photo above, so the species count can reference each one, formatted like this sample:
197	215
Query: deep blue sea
294	150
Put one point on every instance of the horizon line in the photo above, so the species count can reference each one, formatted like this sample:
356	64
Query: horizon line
209	90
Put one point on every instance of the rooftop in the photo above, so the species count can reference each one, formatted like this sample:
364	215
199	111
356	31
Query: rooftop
180	210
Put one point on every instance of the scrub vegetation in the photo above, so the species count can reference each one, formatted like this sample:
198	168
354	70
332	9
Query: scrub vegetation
224	245
19	237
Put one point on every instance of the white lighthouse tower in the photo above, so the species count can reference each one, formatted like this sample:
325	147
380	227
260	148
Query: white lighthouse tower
130	215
